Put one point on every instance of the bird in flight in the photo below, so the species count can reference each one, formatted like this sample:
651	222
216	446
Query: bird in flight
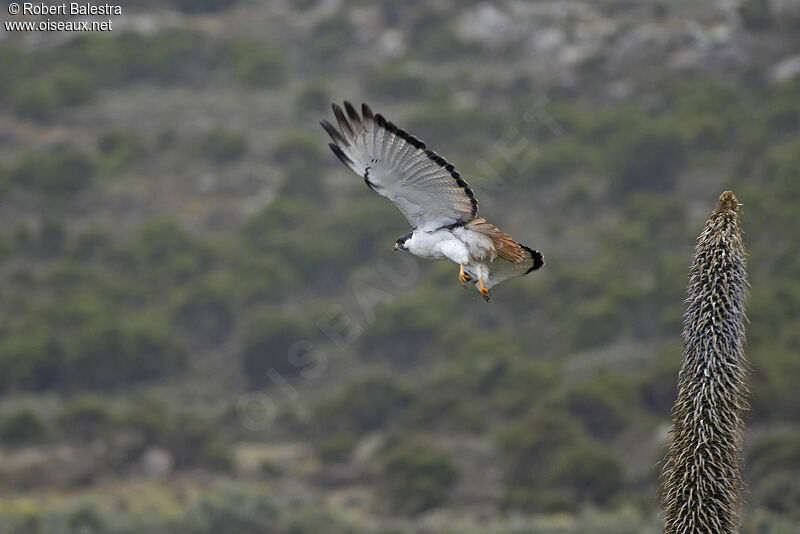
429	192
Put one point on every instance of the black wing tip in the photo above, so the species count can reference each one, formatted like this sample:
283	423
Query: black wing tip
341	119
352	113
341	155
334	134
368	115
538	258
366	112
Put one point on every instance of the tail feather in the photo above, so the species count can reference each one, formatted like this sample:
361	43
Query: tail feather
504	245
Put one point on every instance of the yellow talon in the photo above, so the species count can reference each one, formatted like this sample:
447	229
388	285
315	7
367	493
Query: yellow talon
462	276
484	291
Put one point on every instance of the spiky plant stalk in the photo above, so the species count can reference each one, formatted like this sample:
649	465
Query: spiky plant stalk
702	479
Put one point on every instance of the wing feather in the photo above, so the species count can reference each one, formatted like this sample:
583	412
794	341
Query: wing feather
341	155
366	112
333	132
423	185
504	245
352	114
344	126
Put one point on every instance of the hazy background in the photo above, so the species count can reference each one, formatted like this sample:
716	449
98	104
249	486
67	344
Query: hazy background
172	224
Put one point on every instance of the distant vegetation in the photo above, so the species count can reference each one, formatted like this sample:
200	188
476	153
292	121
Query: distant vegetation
130	327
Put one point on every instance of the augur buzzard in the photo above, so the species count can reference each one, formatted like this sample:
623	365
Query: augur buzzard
429	192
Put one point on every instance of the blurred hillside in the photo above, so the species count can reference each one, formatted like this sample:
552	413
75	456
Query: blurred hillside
204	327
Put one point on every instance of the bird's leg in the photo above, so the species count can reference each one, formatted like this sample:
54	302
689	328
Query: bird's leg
463	277
484	290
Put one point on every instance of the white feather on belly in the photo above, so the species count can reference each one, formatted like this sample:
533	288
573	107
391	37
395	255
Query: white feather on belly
428	244
479	246
459	245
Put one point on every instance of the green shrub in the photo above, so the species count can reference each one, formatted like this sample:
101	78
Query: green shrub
85	515
299	153
23	427
783	169
232	509
167	255
778	492
116	351
756	14
554	467
191	436
435	39
657	388
90	243
290	215
397	81
363	406
443	120
170	55
492	369
314	97
34	99
300	243
85	417
222	146
6	244
52	236
588	470
364	226
554	161
298	147
31	360
259	65
647	157
777	452
117	149
540	449
595	322
773	465
71	85
335	447
332	36
149	416
158	240
706	96
194	441
531	440
270	345
416	474
62	172
708	111
602	404
205	311
403	326
19	60
775	395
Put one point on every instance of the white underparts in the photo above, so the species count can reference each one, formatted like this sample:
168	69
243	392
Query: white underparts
461	246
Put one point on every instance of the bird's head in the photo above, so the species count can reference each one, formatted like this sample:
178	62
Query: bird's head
400	244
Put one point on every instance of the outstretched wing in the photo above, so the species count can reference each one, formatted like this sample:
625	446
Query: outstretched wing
501	270
423	185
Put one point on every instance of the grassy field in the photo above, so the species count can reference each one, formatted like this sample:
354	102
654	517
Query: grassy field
172	224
